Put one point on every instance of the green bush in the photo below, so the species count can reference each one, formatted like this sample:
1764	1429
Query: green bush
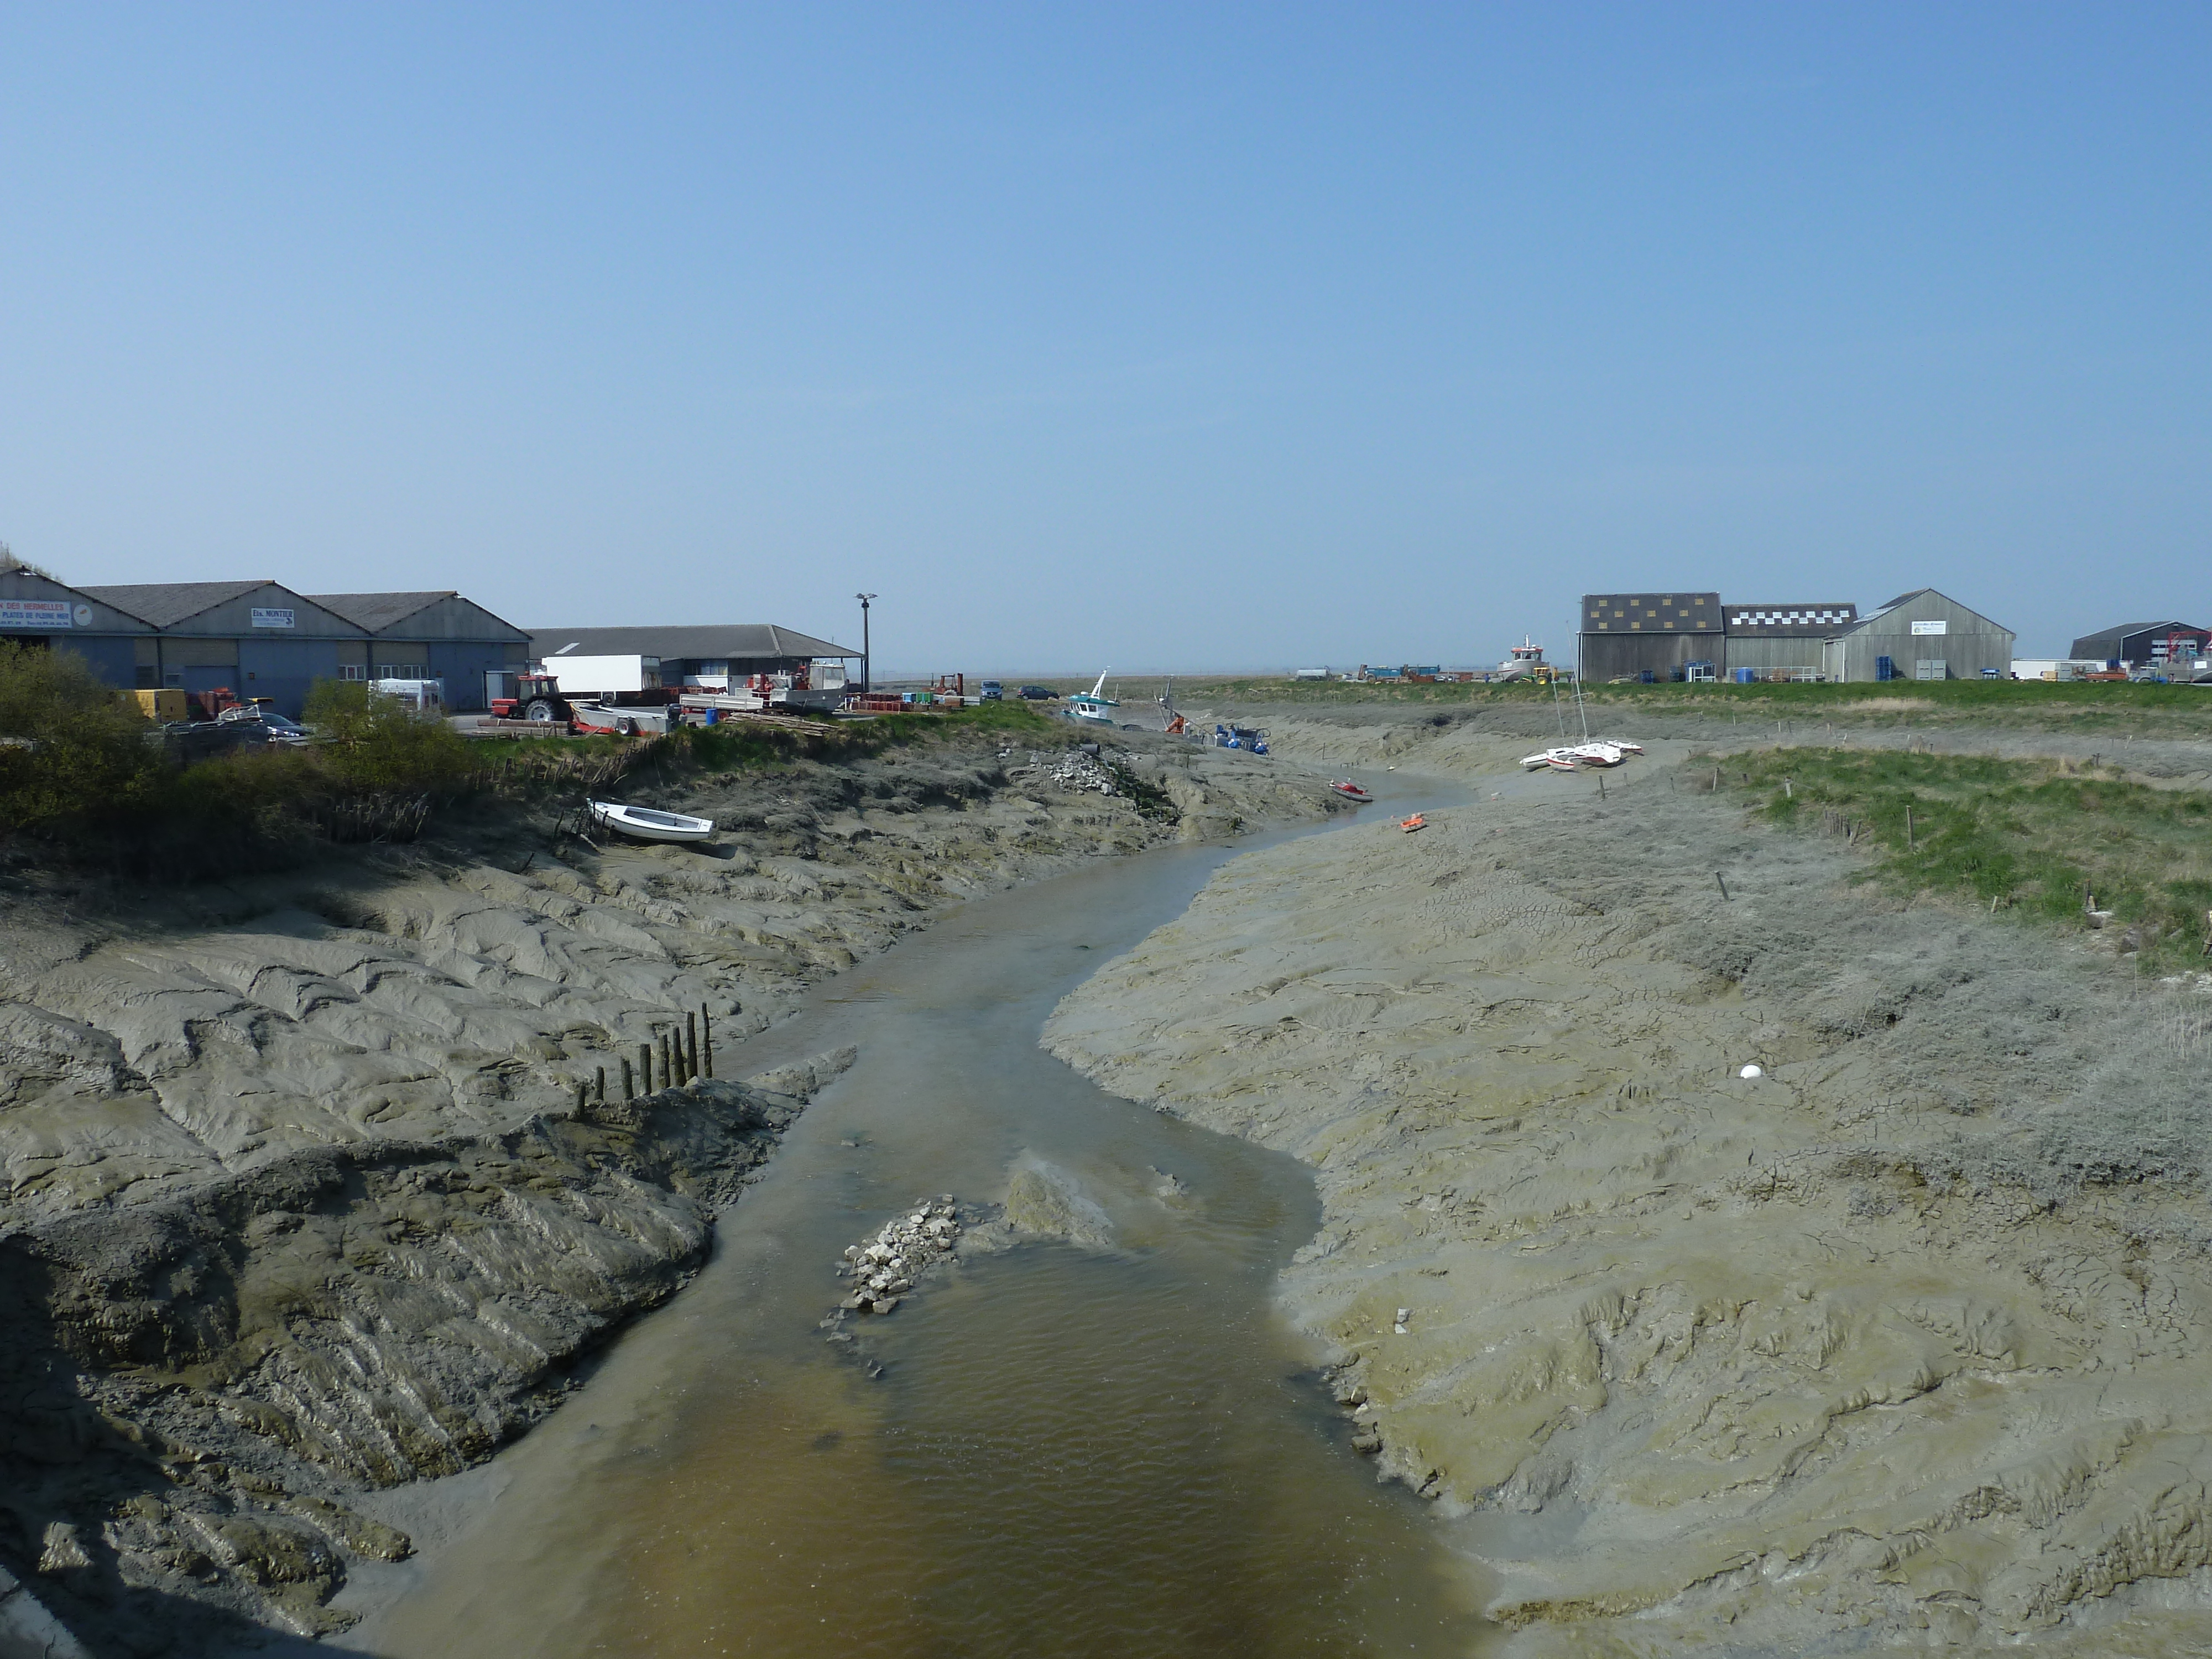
71	752
374	744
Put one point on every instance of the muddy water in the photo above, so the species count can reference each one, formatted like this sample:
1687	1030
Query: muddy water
1057	1451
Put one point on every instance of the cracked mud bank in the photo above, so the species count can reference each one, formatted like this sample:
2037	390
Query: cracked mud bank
1903	1343
300	1201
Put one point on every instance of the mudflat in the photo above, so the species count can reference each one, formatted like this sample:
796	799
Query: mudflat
1902	1340
311	1187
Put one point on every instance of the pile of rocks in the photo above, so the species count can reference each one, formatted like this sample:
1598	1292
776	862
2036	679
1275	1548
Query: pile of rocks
1074	768
884	1268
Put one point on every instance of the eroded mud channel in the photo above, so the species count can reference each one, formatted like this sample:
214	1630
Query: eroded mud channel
1087	1432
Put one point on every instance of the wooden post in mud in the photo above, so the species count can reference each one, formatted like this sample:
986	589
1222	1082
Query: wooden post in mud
691	1041
600	1087
630	1089
1601	785
706	1044
645	1067
661	1041
583	1097
1723	885
1909	842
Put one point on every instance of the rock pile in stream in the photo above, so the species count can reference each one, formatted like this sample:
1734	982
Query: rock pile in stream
883	1269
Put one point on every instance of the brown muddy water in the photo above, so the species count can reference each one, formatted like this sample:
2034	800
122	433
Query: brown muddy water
1055	1451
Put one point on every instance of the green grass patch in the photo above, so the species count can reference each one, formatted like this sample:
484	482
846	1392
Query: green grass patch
2034	705
2036	839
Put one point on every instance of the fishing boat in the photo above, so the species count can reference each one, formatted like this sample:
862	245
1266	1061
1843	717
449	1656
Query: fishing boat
1525	662
1350	791
646	823
1094	706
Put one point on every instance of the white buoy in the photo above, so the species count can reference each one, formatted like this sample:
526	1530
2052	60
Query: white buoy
1751	1071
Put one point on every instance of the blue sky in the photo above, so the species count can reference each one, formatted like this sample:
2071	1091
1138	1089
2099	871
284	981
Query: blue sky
1155	336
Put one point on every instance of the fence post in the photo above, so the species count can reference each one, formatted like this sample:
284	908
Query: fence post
645	1067
629	1088
600	1088
691	1042
707	1048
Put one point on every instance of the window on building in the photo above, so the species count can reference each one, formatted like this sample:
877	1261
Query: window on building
352	671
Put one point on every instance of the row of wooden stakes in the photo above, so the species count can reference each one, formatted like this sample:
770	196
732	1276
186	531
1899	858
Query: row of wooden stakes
682	1056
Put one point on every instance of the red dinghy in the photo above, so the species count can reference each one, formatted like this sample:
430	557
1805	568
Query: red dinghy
1350	791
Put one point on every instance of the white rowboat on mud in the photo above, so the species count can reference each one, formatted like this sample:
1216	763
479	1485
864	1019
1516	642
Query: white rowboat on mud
647	824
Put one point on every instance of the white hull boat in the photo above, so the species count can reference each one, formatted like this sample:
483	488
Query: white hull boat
647	823
1598	754
1559	760
1094	706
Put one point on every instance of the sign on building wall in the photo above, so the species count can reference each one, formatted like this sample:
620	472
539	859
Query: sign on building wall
1939	626
273	618
42	613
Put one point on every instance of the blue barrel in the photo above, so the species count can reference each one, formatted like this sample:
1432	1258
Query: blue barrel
1745	676
709	716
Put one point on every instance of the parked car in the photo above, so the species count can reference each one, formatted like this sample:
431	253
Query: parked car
272	726
1038	693
990	691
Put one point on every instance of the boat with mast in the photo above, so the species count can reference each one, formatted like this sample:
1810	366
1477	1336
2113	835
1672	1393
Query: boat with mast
1094	706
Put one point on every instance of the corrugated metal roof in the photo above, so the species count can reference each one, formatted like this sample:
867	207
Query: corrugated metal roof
376	610
163	603
717	642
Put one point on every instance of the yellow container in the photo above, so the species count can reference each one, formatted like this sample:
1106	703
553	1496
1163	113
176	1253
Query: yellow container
165	704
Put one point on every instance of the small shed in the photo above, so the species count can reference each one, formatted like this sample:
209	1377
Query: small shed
1923	635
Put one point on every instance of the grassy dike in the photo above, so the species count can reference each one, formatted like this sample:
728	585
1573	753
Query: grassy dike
2035	838
2147	711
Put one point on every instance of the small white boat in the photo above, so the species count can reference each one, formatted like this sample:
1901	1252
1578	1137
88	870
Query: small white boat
1622	745
1598	754
1350	791
1559	760
647	823
1094	706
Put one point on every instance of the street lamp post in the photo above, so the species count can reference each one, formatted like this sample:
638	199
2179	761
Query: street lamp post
866	684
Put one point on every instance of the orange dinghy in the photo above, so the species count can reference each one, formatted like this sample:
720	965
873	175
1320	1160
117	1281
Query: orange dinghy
1416	822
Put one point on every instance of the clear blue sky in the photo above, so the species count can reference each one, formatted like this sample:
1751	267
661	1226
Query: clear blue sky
1160	336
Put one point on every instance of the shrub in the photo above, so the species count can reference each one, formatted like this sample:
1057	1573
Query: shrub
375	744
74	753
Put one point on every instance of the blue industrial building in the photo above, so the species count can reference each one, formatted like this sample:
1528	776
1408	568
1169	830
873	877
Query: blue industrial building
260	638
437	635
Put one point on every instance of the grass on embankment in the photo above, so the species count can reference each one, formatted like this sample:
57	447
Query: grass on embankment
2148	711
2033	838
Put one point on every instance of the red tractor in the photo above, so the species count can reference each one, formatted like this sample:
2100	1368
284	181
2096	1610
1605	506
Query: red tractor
537	697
